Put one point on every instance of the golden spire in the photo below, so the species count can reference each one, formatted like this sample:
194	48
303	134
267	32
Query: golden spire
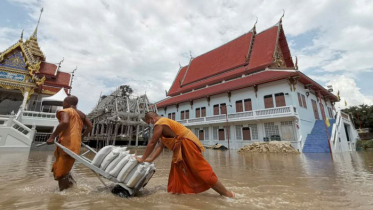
35	34
21	39
32	42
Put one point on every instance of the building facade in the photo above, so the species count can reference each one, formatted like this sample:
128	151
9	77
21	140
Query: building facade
250	90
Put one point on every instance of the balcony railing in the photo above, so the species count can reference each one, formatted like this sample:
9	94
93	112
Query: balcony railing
256	114
38	114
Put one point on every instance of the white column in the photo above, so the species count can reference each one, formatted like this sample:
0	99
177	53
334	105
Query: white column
25	96
137	135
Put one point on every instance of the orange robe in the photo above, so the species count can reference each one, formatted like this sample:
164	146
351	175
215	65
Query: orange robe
71	138
190	172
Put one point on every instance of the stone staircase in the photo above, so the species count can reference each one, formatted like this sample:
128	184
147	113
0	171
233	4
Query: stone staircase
316	141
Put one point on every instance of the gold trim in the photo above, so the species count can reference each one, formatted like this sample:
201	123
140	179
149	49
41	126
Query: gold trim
48	92
18	71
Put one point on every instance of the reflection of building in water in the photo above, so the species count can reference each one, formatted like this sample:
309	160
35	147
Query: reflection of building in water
249	90
117	119
25	79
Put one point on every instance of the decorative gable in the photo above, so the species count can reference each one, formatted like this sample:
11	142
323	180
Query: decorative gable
15	60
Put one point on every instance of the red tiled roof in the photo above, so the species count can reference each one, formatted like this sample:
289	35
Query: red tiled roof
176	85
263	49
209	81
229	61
47	68
228	56
62	80
248	81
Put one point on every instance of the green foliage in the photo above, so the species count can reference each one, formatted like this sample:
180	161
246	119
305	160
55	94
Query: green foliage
361	114
364	144
359	144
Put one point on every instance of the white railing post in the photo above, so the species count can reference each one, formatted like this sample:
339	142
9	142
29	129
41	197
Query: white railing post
10	121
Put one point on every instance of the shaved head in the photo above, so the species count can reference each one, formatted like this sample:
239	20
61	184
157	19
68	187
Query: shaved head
70	101
150	115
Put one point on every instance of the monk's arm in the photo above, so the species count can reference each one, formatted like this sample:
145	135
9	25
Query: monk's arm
157	132
157	151
88	125
64	122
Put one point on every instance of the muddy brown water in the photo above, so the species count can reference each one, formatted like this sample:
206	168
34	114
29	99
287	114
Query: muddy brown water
260	181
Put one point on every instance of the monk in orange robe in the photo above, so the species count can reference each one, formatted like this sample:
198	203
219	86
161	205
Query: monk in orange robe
190	172
69	129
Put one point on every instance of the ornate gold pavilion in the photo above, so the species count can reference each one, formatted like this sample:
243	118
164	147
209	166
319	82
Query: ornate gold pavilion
24	70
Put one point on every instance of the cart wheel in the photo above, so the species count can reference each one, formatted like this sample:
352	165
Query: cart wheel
120	192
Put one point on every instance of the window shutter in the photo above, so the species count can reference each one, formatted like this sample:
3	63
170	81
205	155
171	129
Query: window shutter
280	99
248	105
300	100
187	114
182	115
304	101
173	115
246	133
239	106
169	116
198	113
203	112
201	135
216	109
268	101
223	108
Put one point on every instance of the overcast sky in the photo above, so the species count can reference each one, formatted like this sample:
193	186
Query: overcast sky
140	43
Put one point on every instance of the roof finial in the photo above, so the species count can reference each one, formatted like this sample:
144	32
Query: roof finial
254	28
35	34
190	53
283	14
21	39
179	64
72	77
59	64
296	63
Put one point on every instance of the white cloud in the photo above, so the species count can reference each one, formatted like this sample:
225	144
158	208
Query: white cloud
140	43
349	92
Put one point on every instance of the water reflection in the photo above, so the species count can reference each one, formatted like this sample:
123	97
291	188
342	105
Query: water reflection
276	181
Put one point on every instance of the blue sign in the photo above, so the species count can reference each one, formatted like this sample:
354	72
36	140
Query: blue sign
12	76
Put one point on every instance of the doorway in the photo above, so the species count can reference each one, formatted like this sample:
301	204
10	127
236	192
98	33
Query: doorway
315	111
347	129
221	135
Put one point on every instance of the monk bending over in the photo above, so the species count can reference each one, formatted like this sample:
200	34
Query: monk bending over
70	128
190	172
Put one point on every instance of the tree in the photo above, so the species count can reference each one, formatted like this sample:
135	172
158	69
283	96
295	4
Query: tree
362	114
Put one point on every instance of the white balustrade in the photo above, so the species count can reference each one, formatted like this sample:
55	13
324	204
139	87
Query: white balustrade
216	117
257	114
201	119
38	114
240	115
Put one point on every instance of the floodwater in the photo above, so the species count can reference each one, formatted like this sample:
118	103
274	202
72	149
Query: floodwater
260	181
